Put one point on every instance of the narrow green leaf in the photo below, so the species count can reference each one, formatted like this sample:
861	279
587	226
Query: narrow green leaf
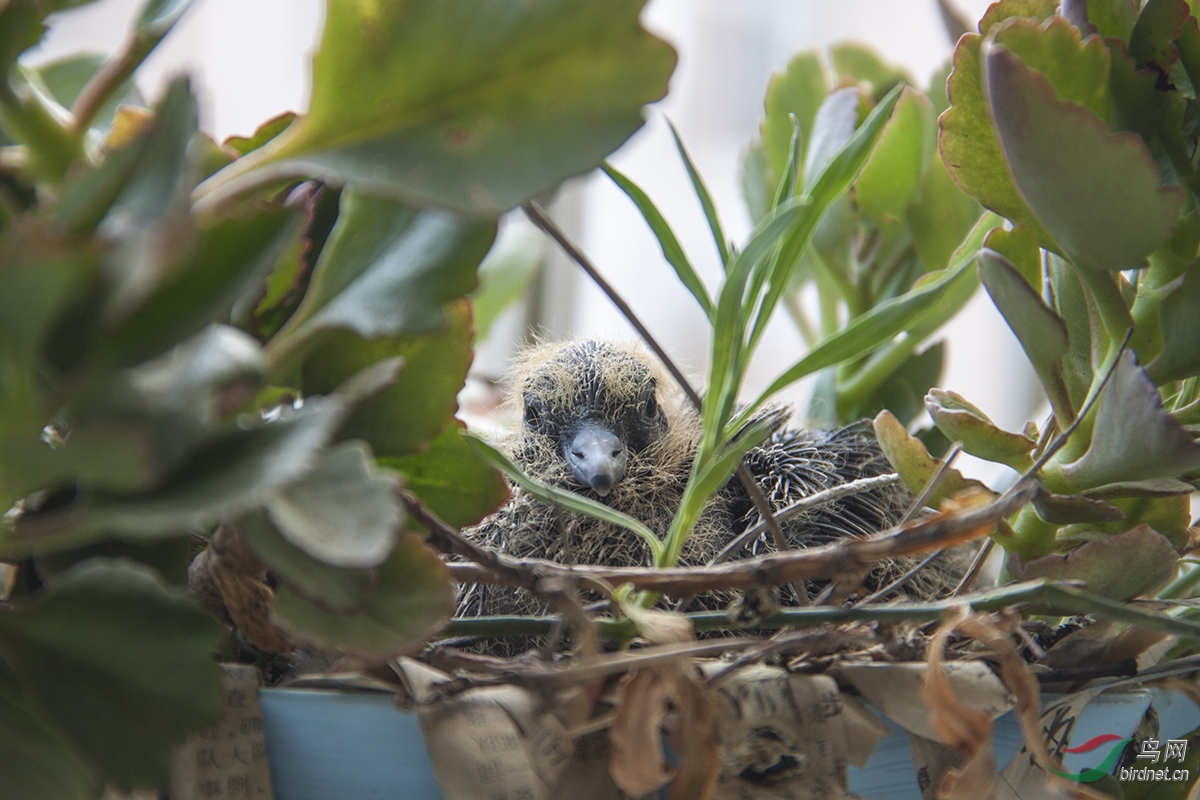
786	189
554	496
882	322
710	210
671	249
800	90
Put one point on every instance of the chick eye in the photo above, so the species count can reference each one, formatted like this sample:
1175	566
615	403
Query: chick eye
650	409
535	414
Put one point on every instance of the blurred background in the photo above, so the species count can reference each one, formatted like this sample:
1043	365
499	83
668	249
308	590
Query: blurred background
253	55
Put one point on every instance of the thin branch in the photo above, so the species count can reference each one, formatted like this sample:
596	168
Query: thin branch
823	497
977	563
814	563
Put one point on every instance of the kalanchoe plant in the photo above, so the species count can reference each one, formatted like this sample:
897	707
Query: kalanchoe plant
903	218
1079	126
199	340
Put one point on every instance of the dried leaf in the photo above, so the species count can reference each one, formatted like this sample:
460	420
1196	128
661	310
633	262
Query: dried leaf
639	764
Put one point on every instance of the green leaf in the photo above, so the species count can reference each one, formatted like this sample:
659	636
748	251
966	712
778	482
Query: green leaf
404	416
757	186
20	29
706	203
1180	356
1135	438
1018	246
451	479
1006	9
561	498
1041	332
342	512
1113	18
505	274
411	601
963	422
387	269
902	392
1097	193
1120	567
671	249
262	134
941	218
1076	68
883	321
908	456
892	176
333	588
34	759
865	66
232	255
42	277
800	91
1158	25
969	146
832	128
229	477
120	663
469	106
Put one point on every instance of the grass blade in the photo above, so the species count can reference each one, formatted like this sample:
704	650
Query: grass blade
710	210
881	323
552	495
671	249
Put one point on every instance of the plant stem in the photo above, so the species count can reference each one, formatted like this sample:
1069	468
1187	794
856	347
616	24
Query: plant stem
1106	294
1040	596
28	116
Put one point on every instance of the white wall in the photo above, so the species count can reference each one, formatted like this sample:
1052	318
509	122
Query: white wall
249	62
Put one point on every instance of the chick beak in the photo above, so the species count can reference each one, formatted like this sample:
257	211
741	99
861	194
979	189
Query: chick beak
597	457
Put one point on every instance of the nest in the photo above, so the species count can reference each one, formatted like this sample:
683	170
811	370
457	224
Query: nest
552	383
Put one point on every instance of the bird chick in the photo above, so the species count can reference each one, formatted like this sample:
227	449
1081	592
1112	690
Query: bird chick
604	420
